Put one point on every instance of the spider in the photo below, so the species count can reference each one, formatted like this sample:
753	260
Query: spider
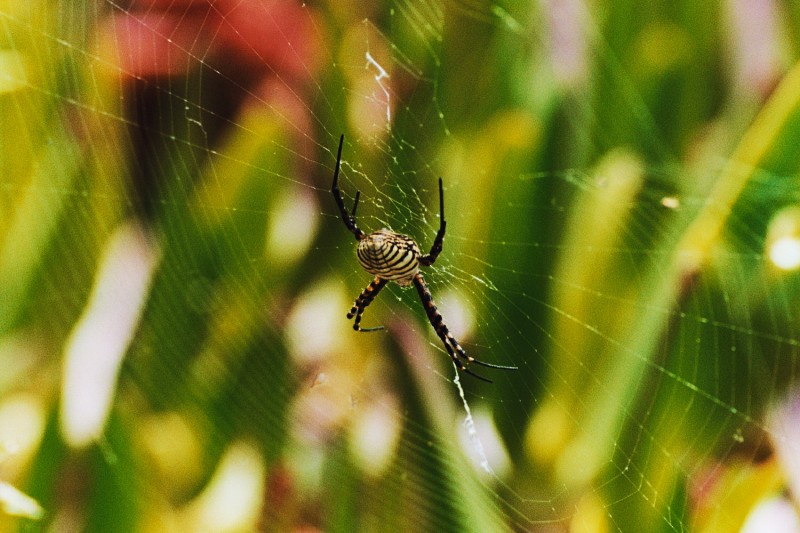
390	256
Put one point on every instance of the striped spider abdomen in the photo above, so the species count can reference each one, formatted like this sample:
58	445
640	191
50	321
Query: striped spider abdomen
390	256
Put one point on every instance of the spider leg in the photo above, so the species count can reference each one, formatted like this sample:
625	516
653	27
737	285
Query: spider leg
443	334
349	219
454	349
363	300
457	347
355	204
436	249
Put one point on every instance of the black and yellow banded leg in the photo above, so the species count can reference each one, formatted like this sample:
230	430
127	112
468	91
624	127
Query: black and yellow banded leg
436	320
363	300
452	346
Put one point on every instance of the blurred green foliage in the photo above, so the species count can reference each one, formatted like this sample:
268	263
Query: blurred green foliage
614	173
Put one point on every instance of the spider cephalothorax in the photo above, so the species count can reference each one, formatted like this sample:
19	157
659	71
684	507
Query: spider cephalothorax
391	256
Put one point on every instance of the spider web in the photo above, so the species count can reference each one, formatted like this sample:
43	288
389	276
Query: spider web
622	226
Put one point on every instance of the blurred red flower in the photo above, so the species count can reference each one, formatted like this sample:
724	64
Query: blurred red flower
245	39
